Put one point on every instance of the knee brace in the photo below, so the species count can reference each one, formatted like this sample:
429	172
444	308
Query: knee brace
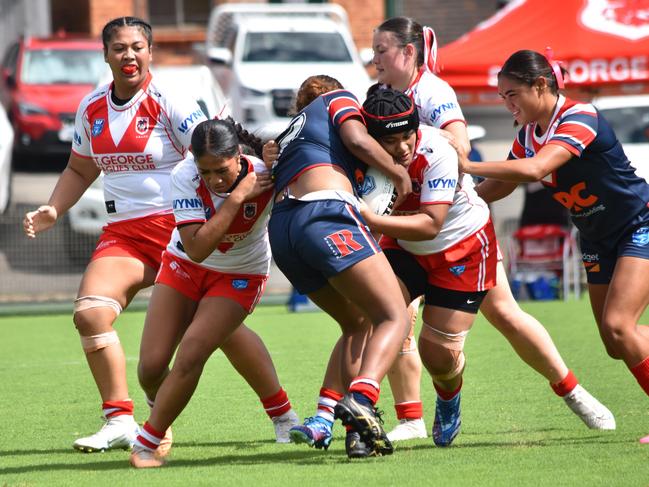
458	367
453	342
410	344
450	341
97	342
89	302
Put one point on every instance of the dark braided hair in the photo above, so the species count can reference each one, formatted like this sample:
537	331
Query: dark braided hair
115	24
251	144
388	111
217	138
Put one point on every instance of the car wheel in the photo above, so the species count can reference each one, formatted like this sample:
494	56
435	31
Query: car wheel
78	246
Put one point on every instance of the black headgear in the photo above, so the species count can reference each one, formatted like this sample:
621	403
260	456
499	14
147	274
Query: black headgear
389	111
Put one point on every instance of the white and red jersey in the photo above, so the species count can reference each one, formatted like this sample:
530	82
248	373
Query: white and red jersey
434	174
435	100
245	248
136	145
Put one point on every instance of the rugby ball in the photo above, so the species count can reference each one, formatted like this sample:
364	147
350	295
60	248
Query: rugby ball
378	192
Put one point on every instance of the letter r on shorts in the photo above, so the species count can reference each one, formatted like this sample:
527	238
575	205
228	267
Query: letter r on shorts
342	243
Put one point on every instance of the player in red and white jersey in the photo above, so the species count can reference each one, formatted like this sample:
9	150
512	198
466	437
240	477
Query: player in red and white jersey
213	273
440	243
405	57
135	133
434	175
136	145
244	248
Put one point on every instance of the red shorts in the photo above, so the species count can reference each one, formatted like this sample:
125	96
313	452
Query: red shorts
143	239
469	265
196	282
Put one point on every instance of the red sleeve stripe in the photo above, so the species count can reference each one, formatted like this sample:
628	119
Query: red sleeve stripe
435	202
454	120
80	155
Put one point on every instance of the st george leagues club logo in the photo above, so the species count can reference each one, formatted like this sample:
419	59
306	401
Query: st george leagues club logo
623	18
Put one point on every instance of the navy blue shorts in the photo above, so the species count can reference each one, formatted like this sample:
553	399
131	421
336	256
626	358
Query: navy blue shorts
312	241
600	264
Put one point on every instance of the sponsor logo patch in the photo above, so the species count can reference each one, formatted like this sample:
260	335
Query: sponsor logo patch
239	283
641	236
97	126
457	270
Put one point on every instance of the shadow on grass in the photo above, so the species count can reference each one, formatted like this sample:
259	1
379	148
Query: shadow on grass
601	439
298	457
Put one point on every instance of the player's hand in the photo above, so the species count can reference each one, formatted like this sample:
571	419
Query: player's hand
252	186
402	184
40	220
270	153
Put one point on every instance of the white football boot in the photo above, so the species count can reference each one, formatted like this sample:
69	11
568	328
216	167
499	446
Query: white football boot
283	424
117	432
590	410
408	429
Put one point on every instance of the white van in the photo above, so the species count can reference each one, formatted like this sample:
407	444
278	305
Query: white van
261	53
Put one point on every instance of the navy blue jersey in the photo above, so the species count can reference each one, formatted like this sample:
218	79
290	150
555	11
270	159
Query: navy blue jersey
598	185
312	139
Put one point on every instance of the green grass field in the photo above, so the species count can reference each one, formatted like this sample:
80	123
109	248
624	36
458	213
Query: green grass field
515	431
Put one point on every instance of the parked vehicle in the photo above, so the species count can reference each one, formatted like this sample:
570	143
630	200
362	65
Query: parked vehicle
261	53
43	81
86	219
6	144
629	117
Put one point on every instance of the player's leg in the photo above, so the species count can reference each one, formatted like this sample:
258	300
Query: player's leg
249	356
344	364
108	285
441	344
168	315
372	286
405	379
215	319
533	344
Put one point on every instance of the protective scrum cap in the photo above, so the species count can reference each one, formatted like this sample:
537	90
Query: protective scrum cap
389	111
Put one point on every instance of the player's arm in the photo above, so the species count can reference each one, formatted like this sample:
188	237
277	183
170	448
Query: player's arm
528	169
424	225
492	190
201	239
458	131
355	137
77	176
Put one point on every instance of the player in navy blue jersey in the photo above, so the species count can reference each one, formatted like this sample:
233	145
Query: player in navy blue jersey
573	151
321	243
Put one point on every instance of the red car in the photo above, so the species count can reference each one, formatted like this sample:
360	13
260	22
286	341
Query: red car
43	81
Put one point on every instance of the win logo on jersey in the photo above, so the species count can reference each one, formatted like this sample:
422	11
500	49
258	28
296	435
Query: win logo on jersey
190	120
442	183
186	203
